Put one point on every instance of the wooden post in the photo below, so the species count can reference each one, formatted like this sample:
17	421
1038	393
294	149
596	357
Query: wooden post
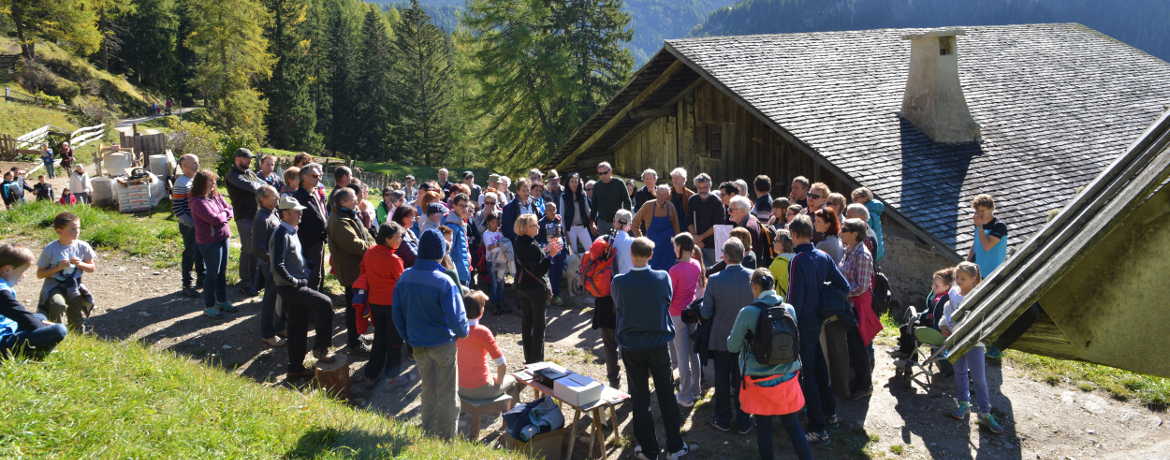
333	377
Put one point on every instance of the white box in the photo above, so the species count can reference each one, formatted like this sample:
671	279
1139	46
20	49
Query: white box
577	389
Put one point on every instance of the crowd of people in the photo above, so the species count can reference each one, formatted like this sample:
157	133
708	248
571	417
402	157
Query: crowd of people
672	292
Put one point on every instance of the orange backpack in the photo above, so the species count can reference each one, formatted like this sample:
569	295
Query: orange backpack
597	268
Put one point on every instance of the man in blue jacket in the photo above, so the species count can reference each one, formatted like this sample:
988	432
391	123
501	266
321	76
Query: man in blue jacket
809	270
641	299
429	315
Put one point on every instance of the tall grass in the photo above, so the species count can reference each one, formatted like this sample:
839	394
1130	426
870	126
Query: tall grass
152	235
96	399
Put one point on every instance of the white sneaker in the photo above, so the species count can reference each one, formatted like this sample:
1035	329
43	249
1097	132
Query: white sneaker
683	453
274	342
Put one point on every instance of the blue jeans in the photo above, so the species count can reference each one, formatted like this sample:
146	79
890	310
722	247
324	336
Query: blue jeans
795	435
37	342
556	271
498	292
972	364
215	257
814	382
52	172
192	259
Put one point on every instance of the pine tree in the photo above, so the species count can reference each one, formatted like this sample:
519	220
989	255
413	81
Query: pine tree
374	128
150	48
423	77
292	116
340	47
545	67
228	40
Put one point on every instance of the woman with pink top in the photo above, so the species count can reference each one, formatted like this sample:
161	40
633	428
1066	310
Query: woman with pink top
211	215
686	279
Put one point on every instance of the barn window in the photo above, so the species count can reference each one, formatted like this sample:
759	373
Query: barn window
714	141
946	45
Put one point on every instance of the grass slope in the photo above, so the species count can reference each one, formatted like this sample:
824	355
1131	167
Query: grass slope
153	235
17	119
92	398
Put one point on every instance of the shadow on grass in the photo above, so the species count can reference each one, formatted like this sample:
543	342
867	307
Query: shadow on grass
357	444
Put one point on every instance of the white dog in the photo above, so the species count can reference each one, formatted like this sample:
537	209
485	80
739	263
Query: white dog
573	275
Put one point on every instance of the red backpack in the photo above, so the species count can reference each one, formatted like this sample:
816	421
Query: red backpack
597	268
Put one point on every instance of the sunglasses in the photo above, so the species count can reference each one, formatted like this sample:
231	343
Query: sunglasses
814	196
603	173
485	203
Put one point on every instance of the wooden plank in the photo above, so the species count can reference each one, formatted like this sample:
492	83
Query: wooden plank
597	135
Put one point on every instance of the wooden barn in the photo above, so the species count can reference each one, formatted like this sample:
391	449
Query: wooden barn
926	118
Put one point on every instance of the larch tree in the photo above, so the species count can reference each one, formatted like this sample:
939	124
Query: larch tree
72	23
231	57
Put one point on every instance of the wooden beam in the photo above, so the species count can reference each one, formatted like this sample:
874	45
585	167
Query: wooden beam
650	113
621	115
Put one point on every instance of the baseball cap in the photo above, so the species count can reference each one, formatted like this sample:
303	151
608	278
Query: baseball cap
244	152
288	202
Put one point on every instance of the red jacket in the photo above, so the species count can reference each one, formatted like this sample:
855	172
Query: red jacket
380	271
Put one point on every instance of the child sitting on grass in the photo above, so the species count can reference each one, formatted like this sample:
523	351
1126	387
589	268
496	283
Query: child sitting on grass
20	329
473	352
972	363
61	265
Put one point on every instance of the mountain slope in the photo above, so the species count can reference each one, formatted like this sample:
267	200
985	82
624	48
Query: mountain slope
1140	23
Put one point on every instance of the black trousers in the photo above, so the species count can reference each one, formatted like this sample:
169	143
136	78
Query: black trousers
387	353
814	382
314	261
532	306
299	304
860	363
641	366
727	381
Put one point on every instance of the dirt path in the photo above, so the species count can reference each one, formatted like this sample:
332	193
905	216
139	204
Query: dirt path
137	302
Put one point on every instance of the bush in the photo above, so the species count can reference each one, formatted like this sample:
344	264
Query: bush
195	138
92	110
228	146
47	100
37	77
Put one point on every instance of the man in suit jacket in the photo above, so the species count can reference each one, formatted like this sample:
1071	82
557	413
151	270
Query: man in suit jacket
727	292
312	231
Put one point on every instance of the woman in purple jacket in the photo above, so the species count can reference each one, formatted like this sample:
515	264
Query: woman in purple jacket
211	215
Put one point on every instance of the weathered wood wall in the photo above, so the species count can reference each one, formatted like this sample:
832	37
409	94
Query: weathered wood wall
709	132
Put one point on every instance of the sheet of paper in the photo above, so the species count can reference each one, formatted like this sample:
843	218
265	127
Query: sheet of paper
722	233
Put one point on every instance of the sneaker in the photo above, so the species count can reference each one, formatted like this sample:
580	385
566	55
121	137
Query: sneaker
962	409
274	342
189	292
719	426
817	438
684	402
745	429
227	307
638	454
212	312
989	421
682	453
556	300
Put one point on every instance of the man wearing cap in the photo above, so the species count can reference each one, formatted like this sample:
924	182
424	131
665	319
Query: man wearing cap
291	274
553	186
469	181
429	315
242	185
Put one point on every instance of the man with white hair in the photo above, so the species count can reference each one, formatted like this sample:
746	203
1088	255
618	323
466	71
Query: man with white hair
191	259
443	182
646	193
859	211
680	195
739	213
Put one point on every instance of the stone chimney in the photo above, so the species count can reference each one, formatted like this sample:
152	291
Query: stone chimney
934	99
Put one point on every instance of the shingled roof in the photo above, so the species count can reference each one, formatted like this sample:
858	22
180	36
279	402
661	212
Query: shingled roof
1056	104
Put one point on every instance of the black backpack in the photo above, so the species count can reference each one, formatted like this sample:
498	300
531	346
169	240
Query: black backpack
776	341
883	297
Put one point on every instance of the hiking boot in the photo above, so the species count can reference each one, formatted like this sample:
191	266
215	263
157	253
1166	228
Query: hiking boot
992	424
745	429
227	307
962	409
189	291
213	312
274	342
817	438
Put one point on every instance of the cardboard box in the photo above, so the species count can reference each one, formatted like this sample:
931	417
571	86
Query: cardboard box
577	389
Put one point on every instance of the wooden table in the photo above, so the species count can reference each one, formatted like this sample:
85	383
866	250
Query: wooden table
610	398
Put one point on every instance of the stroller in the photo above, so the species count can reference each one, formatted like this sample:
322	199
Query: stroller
912	362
